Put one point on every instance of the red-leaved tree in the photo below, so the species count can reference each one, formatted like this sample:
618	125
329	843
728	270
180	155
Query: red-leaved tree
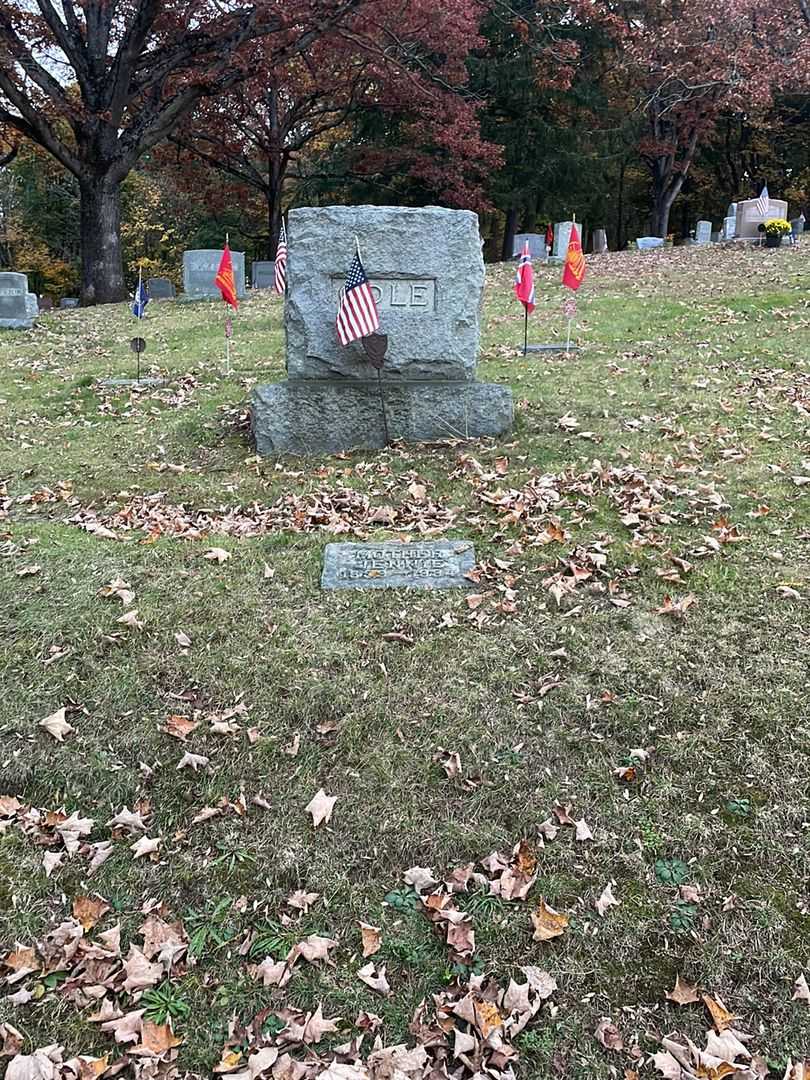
98	83
402	62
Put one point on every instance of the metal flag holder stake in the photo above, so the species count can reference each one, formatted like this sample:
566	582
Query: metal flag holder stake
375	346
525	329
138	346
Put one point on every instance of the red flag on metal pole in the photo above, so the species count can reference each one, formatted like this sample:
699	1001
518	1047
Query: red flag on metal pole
524	279
574	270
224	279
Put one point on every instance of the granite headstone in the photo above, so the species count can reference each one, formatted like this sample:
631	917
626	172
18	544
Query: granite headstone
537	245
600	242
160	288
200	268
433	564
750	216
729	226
32	305
703	232
562	234
426	273
263	274
69	302
648	243
14	310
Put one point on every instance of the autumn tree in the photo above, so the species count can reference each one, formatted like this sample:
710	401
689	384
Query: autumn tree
97	84
400	65
686	64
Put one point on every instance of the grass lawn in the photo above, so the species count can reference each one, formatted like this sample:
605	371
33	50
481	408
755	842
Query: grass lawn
636	648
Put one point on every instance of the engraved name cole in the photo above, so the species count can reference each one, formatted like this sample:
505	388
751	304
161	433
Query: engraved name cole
411	295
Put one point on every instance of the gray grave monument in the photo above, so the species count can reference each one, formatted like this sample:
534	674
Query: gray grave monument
427	274
703	232
537	245
649	243
263	274
435	564
562	234
600	243
160	288
750	217
729	225
32	305
14	308
200	268
69	302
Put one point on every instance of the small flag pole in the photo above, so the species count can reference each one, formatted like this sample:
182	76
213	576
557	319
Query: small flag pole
570	317
140	316
227	316
525	330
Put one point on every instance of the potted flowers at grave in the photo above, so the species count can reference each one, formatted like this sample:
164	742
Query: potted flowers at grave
775	229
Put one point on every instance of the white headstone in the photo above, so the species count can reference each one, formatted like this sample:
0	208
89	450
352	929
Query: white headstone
703	232
562	234
647	243
729	226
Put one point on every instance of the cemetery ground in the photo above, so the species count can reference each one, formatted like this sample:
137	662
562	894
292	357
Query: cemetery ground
634	649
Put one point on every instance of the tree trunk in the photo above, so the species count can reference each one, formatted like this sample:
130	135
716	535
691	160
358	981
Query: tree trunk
510	228
621	239
102	264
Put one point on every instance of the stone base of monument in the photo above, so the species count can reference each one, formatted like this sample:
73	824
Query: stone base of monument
328	416
16	324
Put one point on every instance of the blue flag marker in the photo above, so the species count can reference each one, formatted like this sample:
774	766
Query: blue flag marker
141	300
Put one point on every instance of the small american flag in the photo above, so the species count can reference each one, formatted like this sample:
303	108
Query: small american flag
357	315
281	261
764	202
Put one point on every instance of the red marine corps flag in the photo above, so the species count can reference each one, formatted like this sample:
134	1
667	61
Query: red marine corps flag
224	280
574	270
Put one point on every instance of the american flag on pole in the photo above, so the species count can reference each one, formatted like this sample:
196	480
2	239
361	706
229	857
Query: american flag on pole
764	202
281	261
357	315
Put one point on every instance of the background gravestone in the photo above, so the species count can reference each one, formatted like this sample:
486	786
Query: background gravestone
69	302
14	310
703	232
263	274
750	217
729	226
200	268
537	245
160	288
427	274
562	234
600	243
649	243
32	305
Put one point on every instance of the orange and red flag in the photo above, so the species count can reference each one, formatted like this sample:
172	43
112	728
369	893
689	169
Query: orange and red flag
574	270
224	280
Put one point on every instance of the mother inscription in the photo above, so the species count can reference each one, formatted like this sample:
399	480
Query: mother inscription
437	564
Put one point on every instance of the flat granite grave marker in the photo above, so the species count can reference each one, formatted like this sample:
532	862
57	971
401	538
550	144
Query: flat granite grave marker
430	564
426	272
200	268
69	302
14	307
